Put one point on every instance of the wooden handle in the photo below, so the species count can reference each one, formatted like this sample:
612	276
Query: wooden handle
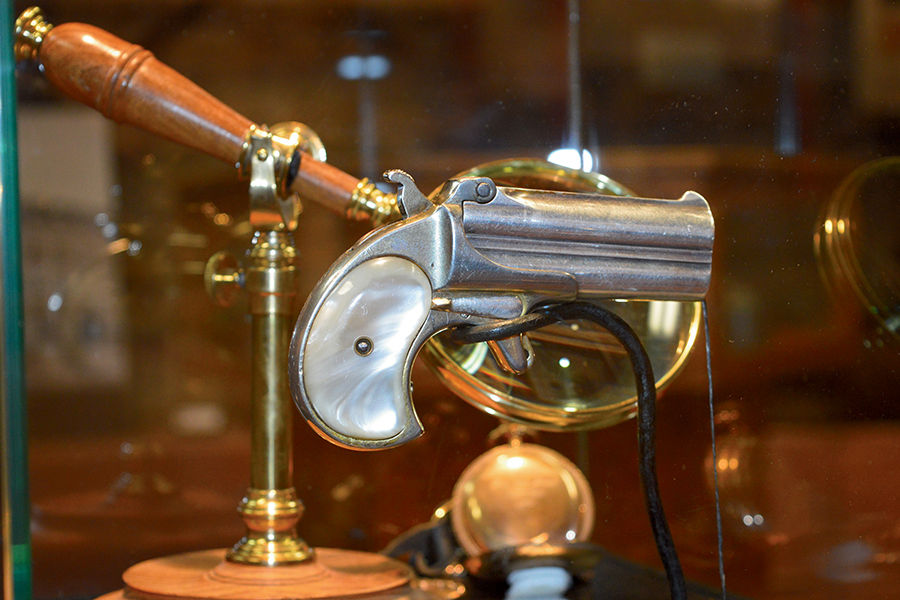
129	85
324	184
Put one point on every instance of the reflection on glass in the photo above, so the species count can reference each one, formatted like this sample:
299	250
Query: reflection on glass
858	254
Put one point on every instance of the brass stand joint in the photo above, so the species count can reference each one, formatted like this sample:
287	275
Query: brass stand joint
266	160
270	210
270	275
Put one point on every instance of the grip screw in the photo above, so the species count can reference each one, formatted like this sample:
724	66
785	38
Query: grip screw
363	346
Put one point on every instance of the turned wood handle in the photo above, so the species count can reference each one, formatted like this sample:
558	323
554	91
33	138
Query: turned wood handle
129	85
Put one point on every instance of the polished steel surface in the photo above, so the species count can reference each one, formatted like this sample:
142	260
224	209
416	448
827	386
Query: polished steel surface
536	248
615	247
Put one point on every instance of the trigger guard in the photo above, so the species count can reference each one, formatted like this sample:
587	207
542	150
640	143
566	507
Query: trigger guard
361	400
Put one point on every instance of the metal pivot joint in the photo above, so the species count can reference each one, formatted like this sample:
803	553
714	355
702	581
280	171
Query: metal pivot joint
270	209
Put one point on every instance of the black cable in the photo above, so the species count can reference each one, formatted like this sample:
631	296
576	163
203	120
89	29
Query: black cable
502	329
646	400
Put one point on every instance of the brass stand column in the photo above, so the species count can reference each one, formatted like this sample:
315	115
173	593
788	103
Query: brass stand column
271	508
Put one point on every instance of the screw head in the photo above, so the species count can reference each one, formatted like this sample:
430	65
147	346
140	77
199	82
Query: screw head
484	191
363	346
261	154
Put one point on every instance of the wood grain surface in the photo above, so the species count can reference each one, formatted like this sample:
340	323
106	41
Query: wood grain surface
127	84
324	184
206	575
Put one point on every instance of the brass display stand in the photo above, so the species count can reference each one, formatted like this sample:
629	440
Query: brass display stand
271	561
126	83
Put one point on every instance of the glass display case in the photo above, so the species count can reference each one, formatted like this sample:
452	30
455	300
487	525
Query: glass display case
783	114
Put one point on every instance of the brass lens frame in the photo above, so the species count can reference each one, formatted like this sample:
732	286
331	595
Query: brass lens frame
560	392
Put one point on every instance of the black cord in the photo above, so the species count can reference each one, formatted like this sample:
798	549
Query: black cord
646	400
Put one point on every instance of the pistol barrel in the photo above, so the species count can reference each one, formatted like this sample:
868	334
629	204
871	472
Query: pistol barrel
615	247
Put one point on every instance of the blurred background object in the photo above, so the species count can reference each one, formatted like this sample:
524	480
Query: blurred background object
765	107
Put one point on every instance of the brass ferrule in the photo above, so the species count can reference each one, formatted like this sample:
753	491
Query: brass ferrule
368	203
31	29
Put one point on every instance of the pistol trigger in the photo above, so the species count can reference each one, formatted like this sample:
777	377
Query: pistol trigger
514	354
410	200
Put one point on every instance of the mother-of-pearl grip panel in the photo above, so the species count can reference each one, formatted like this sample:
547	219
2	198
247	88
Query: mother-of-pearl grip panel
386	300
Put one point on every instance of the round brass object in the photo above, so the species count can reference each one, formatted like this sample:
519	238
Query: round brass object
222	278
293	134
581	377
857	244
521	495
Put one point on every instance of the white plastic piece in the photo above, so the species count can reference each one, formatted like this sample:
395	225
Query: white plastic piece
546	583
365	395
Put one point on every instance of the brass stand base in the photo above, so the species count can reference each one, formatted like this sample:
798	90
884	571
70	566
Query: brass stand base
207	576
271	517
275	550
